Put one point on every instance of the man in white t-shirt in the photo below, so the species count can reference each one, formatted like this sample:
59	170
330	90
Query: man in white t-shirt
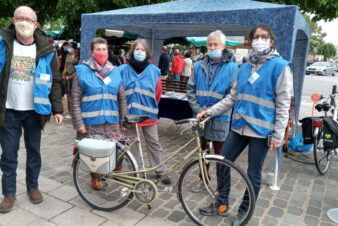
29	93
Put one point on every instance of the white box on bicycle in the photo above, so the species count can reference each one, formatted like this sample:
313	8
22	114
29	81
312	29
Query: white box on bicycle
97	156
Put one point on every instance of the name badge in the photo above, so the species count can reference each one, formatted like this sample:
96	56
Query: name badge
45	77
107	80
253	78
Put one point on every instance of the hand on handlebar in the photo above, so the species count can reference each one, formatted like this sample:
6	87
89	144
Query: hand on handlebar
202	115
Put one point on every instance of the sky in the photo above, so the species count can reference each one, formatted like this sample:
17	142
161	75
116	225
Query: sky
331	28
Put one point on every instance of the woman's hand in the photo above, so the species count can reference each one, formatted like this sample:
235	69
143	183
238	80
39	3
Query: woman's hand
274	145
58	119
82	130
200	116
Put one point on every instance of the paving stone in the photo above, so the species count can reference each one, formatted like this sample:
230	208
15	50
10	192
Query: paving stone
41	222
313	211
315	203
291	219
284	195
309	220
262	203
327	224
77	216
269	221
79	202
124	216
16	216
65	193
280	203
286	187
161	213
49	208
295	210
149	221
171	204
276	212
134	205
259	211
166	196
176	216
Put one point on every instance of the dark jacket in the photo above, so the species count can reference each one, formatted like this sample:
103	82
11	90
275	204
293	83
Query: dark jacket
42	48
164	63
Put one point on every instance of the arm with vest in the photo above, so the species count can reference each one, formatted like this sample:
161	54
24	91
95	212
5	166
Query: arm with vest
55	94
283	93
191	94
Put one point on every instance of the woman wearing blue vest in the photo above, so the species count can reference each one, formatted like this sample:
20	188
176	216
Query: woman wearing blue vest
143	87
260	98
98	98
210	82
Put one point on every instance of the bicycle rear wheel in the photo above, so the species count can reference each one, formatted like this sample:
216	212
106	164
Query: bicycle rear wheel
234	180
321	156
110	196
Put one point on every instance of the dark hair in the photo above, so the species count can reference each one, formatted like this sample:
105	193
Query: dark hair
145	44
97	40
265	28
187	54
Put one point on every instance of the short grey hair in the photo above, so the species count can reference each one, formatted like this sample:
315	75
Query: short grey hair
218	34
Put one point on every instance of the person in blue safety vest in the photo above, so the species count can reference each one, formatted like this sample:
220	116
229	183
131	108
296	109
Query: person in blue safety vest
98	98
29	92
260	98
210	82
143	86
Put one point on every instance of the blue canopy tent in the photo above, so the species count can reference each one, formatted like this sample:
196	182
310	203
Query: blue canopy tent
202	41
193	18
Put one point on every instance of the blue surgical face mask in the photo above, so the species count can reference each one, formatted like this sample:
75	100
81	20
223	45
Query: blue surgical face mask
216	53
139	55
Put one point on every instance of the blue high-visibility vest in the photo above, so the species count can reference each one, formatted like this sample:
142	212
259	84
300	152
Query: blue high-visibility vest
43	78
99	102
220	86
255	103
140	90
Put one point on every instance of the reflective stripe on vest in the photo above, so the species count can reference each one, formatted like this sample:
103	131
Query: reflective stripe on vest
2	53
99	102
140	90
43	79
255	103
221	85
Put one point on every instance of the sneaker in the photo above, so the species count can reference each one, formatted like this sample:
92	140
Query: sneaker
211	210
96	184
35	196
238	220
198	188
165	180
7	204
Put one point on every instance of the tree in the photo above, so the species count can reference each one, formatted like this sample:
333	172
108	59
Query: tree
329	50
322	9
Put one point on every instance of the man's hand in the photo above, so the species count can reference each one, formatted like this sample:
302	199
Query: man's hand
82	130
200	116
274	145
58	119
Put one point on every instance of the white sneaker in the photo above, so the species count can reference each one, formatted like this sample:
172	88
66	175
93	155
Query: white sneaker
198	188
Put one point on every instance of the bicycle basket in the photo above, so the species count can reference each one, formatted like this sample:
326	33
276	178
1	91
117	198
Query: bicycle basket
330	138
97	156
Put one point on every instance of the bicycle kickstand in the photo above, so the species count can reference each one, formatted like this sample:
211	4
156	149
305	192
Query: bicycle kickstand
149	206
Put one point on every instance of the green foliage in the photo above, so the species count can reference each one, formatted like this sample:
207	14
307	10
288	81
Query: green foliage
322	9
329	50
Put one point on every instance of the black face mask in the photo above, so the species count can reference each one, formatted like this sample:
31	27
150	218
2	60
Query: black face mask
138	66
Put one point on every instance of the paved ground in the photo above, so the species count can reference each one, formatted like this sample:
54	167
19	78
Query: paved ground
303	199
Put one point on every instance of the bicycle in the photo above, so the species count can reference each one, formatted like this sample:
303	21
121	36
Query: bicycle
127	181
322	155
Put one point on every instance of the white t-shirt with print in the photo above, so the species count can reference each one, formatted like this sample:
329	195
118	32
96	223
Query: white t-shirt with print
21	77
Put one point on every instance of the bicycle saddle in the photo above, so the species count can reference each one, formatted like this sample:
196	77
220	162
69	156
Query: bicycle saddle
135	118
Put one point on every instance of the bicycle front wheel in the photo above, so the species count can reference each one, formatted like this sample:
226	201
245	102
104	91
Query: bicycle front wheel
228	182
321	156
112	195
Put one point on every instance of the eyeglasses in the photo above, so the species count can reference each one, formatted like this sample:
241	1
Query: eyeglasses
20	19
263	36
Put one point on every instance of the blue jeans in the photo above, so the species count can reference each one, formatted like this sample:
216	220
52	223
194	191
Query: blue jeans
176	77
233	146
10	135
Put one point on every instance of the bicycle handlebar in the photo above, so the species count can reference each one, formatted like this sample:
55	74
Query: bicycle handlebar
193	120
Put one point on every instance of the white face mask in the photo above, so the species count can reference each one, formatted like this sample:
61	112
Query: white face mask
260	44
24	29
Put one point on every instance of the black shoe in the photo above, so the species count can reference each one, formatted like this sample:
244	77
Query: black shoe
165	180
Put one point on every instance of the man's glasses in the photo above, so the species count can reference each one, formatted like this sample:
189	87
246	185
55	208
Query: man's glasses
20	19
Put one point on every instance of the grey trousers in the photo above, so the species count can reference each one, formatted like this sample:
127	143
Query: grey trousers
153	146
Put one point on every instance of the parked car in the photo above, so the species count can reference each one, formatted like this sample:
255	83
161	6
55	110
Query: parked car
321	68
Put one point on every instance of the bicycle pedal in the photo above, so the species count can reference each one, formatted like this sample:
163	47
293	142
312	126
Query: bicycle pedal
124	191
167	189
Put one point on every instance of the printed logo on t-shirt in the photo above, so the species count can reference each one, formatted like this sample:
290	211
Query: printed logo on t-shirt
22	68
